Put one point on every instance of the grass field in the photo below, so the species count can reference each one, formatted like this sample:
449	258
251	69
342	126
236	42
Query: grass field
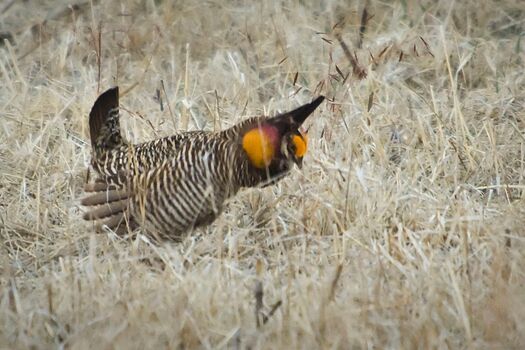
404	229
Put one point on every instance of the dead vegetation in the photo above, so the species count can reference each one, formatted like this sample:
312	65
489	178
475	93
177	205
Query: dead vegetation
404	229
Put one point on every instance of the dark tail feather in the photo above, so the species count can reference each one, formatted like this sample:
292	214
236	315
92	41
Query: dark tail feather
299	115
98	186
104	197
114	221
104	125
104	200
108	206
106	210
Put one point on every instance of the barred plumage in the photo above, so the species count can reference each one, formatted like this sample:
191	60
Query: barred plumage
173	184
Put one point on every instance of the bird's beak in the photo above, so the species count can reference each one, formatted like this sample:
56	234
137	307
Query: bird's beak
299	162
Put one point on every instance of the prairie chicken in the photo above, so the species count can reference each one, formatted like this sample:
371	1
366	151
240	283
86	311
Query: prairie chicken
171	185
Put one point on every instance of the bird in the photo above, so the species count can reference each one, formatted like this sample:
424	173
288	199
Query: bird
173	185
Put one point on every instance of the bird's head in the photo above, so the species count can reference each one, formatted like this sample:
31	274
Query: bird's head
276	143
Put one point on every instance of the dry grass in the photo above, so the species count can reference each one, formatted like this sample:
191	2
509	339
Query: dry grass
405	228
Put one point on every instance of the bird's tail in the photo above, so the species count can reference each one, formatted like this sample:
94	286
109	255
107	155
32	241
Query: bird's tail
104	124
108	205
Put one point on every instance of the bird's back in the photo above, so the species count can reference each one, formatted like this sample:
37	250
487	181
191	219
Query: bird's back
138	158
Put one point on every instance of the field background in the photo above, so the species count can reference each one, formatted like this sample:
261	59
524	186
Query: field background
405	228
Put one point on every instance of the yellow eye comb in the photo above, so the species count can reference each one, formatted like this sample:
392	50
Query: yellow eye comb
301	144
